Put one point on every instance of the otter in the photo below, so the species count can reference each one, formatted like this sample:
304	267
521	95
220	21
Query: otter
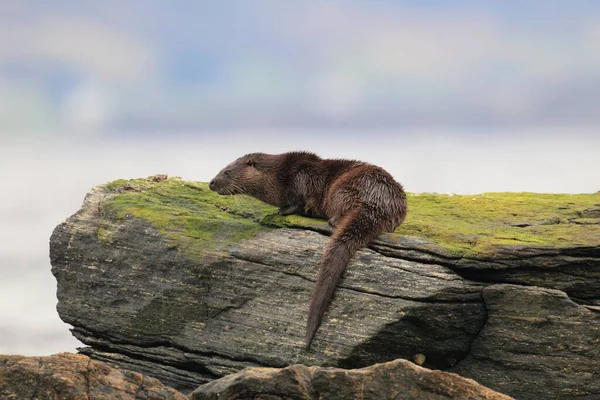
359	199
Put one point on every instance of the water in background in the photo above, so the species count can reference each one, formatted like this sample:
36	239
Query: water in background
45	181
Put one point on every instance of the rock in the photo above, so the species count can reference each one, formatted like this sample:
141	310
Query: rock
75	377
398	379
139	299
418	358
167	278
536	340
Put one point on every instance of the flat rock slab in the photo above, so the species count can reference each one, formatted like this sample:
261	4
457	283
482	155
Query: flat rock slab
76	377
170	280
136	299
398	379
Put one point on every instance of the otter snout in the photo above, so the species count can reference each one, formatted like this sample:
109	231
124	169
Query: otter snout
216	185
220	185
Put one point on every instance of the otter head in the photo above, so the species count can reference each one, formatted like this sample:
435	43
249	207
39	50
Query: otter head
243	176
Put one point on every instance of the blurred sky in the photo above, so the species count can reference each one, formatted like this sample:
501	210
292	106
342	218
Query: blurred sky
142	65
461	96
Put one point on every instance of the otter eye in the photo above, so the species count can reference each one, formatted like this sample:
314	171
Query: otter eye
227	173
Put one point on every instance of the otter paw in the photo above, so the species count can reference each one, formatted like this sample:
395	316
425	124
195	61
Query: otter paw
287	210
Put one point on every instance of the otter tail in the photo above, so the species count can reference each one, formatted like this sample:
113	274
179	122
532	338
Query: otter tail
356	230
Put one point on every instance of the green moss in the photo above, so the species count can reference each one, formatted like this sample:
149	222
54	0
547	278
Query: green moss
190	216
115	185
105	235
480	224
196	219
295	221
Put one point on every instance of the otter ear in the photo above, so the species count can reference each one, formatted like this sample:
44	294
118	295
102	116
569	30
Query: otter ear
250	162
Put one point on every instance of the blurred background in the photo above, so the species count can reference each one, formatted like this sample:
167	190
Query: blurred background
460	96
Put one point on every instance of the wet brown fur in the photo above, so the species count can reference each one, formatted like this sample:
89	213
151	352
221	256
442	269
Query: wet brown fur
359	199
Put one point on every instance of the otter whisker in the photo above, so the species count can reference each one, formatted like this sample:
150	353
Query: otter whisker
240	189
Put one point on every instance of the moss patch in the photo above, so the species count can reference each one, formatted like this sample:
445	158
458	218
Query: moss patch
189	215
480	224
196	219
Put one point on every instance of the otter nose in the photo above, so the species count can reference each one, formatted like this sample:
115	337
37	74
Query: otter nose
211	185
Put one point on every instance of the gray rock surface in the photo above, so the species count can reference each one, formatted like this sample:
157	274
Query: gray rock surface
537	338
139	301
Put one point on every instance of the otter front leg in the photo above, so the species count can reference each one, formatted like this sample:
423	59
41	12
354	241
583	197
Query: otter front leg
333	222
289	210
